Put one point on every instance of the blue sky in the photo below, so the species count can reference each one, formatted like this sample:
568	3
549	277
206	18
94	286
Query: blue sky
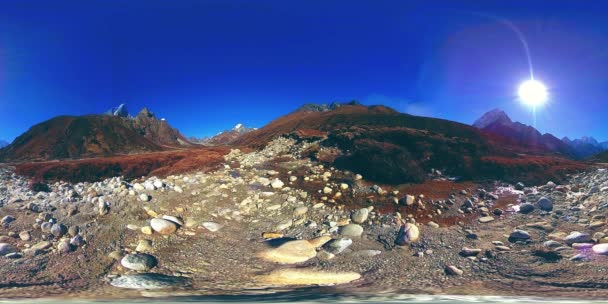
206	65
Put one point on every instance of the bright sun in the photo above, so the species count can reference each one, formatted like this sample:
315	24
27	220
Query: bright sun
533	92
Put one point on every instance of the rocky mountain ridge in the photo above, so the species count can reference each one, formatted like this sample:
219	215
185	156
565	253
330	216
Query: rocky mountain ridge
586	146
226	137
498	123
69	137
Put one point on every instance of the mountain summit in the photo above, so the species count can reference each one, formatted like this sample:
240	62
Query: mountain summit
93	135
498	124
225	137
494	116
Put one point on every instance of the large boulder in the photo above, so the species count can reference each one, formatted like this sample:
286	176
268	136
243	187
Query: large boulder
408	233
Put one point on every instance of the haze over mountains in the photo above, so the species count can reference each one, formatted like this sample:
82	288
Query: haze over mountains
226	137
498	123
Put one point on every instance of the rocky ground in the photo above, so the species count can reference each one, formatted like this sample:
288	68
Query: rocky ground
271	221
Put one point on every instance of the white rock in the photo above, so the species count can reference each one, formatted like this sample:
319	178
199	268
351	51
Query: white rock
163	226
212	226
277	184
601	249
158	184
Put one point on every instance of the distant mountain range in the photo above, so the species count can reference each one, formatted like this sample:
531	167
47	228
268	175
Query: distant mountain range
498	123
226	137
586	146
383	144
65	137
313	107
3	143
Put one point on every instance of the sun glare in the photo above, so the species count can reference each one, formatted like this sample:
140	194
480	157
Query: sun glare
533	93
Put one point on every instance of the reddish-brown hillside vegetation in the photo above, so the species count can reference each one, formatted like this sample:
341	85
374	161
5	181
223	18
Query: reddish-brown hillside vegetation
130	166
72	137
392	147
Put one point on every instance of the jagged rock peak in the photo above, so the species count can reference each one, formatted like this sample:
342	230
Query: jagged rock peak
313	107
145	112
491	117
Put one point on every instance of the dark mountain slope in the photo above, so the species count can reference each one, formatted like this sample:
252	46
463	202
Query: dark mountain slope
392	147
499	126
75	137
72	137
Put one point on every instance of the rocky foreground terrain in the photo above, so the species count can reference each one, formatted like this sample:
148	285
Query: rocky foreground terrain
271	220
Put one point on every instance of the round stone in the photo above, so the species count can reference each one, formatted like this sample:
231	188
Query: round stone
526	208
545	204
139	261
601	249
299	211
163	226
77	240
144	197
351	230
277	183
59	230
158	184
25	236
64	247
408	233
6	248
212	226
519	235
360	215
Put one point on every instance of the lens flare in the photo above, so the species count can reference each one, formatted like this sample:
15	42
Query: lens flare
533	93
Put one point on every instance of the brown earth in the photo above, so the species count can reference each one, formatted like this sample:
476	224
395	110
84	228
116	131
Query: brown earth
130	166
